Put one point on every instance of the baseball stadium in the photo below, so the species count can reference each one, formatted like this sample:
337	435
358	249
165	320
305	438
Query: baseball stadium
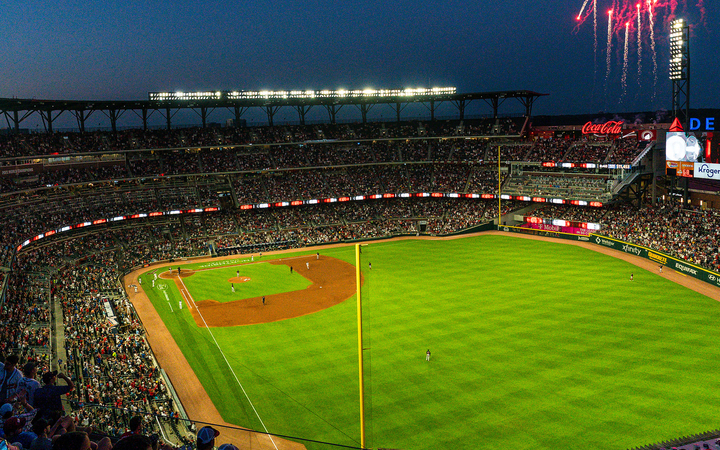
467	278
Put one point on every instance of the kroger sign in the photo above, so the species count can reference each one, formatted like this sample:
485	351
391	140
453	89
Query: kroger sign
705	170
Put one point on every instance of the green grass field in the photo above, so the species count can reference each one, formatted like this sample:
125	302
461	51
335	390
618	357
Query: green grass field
535	345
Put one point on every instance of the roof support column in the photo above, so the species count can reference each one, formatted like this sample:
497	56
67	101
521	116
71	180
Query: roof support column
271	110
398	108
302	111
364	108
332	111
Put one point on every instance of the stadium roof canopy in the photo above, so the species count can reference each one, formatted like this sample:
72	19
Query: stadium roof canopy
15	111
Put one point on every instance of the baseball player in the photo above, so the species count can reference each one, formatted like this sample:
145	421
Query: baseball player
263	299
291	269
237	273
427	355
232	286
307	265
661	268
631	277
317	255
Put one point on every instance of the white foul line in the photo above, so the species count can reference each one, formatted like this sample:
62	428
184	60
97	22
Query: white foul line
228	364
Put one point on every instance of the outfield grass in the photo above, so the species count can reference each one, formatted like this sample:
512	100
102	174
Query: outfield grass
535	345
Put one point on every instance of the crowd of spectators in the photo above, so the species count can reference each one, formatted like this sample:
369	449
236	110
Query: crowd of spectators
21	145
579	186
106	355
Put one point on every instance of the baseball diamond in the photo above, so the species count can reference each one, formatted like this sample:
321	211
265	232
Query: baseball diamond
250	334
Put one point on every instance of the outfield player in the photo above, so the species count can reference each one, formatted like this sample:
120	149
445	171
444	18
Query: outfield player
237	273
232	286
427	355
660	268
291	269
370	266
631	277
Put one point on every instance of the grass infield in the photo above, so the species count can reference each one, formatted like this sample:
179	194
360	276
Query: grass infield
535	345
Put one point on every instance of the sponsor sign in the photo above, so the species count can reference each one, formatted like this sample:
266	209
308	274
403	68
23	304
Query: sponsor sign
610	127
657	257
647	135
627	248
25	169
226	262
708	171
680	267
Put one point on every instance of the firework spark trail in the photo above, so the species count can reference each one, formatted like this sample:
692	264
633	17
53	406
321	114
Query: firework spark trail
652	46
609	48
639	45
582	9
623	81
595	26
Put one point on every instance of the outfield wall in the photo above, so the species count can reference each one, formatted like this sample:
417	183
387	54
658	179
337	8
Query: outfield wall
683	267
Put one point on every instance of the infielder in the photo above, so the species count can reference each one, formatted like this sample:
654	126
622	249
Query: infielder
307	265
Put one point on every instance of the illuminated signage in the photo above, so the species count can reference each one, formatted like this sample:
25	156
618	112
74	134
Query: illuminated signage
610	127
695	124
708	171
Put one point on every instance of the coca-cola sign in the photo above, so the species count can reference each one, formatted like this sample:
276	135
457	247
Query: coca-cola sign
611	127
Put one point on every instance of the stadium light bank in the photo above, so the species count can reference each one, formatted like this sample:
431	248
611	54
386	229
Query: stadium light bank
251	95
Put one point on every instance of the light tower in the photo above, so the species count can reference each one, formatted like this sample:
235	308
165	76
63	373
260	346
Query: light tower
680	69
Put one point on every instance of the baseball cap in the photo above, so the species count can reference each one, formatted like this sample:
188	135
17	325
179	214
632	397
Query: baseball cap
6	408
47	376
13	424
228	447
207	434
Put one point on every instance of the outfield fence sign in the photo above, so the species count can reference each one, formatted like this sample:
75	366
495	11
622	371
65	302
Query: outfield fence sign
681	266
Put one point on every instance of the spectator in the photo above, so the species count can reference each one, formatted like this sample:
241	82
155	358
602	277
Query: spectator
135	427
48	398
206	438
42	441
29	384
13	427
134	442
9	379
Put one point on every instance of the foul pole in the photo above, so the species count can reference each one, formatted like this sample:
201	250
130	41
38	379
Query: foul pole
499	200
360	346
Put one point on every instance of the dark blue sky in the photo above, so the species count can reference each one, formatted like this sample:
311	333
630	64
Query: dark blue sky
99	50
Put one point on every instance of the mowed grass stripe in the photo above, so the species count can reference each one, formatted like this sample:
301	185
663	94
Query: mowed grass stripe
535	345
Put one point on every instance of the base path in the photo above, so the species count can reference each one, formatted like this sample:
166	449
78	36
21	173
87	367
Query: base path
333	281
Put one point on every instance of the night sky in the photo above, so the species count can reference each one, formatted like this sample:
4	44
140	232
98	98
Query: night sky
102	50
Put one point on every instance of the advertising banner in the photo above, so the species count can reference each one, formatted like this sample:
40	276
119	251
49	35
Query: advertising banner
660	258
708	171
23	170
548	227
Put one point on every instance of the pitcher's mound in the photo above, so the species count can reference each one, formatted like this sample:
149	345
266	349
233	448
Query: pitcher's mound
239	279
